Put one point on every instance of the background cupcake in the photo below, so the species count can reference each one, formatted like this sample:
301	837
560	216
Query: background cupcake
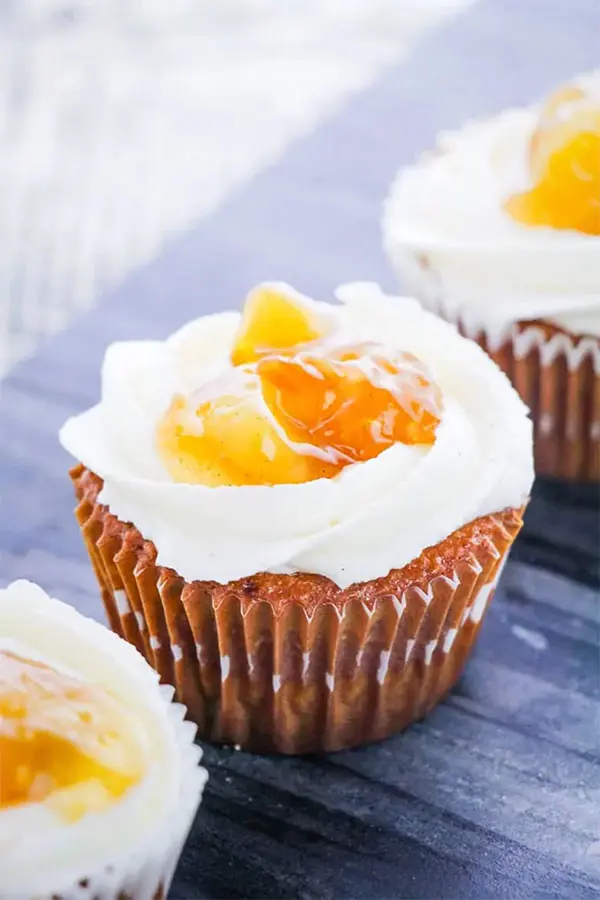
499	232
99	774
309	571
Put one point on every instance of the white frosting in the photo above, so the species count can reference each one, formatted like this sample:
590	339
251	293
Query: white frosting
490	270
40	853
372	517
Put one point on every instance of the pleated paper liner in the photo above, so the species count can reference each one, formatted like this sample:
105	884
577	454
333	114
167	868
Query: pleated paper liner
290	663
557	375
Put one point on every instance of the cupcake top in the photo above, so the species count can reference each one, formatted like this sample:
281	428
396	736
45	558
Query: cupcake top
507	213
92	753
339	440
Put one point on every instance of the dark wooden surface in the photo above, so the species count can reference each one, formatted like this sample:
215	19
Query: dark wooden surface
497	794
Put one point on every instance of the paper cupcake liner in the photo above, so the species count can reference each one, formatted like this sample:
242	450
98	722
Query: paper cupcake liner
557	375
291	663
144	871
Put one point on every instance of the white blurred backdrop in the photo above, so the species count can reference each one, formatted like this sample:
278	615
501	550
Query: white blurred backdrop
123	121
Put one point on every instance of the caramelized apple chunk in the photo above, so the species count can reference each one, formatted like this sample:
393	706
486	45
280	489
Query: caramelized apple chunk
228	438
353	405
564	165
293	419
63	742
274	321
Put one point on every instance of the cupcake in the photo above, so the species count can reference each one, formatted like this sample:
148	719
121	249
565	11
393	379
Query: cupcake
498	231
299	514
99	774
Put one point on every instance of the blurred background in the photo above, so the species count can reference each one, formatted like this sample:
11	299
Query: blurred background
123	121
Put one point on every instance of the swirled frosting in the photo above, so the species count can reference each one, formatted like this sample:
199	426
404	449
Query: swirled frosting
446	231
372	517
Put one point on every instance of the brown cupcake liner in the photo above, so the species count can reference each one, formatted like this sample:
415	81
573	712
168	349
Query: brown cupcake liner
291	663
556	373
557	377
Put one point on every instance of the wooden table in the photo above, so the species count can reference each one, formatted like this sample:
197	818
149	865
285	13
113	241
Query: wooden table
497	794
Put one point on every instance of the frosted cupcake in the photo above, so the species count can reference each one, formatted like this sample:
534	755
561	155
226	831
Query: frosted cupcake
298	514
499	232
99	774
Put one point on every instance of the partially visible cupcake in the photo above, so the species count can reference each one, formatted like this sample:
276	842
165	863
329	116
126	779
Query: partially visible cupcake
498	231
99	773
299	514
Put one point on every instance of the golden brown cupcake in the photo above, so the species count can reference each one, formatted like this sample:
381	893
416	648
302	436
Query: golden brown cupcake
99	774
299	514
498	231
